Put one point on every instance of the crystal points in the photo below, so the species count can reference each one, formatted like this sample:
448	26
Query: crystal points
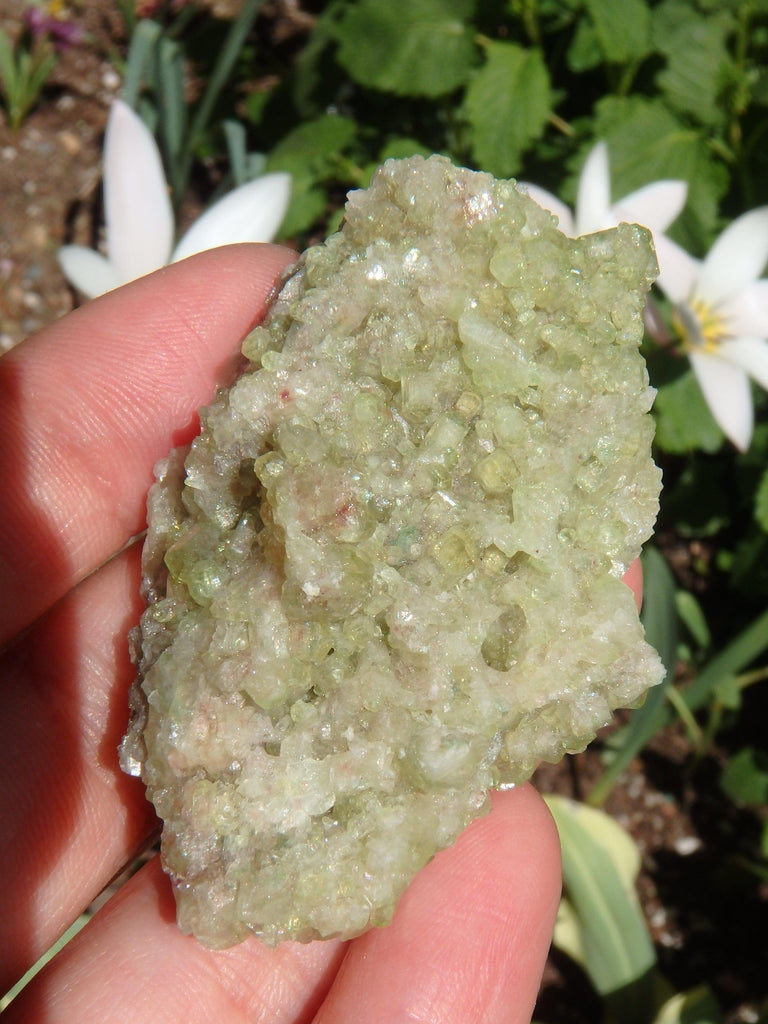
386	577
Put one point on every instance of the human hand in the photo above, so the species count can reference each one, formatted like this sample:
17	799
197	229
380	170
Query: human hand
86	408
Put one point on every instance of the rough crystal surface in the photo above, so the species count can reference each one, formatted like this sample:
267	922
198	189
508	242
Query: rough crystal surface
386	577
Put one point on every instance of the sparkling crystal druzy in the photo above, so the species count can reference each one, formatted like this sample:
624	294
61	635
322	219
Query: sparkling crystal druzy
386	577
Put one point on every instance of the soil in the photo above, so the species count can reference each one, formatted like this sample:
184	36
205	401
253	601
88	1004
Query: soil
707	911
50	173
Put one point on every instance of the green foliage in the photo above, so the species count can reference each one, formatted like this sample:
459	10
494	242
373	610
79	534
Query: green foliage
649	142
698	61
761	501
407	47
698	1006
623	31
613	942
683	420
600	924
24	69
154	80
690	613
316	155
745	777
661	630
736	657
526	88
506	106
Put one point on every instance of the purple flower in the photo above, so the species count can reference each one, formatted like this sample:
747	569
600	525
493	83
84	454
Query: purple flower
62	32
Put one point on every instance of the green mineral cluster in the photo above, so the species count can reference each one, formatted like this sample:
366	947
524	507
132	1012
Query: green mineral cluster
386	577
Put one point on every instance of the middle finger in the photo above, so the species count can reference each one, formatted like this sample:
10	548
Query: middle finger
71	819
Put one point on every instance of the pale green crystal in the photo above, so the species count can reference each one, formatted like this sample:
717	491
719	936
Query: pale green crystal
387	575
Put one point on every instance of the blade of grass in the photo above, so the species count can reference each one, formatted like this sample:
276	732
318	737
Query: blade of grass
230	51
659	617
234	135
173	108
739	653
143	43
7	66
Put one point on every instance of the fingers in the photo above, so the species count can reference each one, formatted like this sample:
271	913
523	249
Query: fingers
131	963
470	936
89	404
468	943
633	578
70	818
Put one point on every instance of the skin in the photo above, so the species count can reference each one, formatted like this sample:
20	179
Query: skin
87	406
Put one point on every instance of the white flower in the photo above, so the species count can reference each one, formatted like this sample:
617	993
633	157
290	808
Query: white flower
654	206
139	217
721	315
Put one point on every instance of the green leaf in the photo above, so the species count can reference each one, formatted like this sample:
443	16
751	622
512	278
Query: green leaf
311	153
7	66
584	52
144	39
172	104
311	149
407	47
761	501
567	932
617	949
622	29
736	656
226	59
237	150
683	420
697	1006
38	74
256	103
729	693
626	859
745	778
660	621
506	105
697	58
648	142
690	612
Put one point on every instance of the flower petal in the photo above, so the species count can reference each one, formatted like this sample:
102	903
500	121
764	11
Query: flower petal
654	206
747	313
136	203
549	202
87	270
251	213
726	390
593	199
751	355
678	270
736	259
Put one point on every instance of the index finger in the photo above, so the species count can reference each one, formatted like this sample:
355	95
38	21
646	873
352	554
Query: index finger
88	405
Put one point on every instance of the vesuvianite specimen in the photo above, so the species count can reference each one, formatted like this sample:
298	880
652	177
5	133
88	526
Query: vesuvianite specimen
386	577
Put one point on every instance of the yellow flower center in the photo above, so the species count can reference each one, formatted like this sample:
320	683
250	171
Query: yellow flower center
699	326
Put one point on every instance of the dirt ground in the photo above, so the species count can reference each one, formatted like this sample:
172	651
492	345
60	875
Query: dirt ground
707	918
50	174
